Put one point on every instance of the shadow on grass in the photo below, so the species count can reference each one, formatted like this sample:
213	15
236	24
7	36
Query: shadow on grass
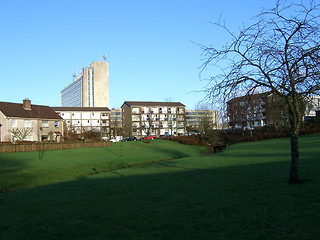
122	149
11	165
243	202
173	152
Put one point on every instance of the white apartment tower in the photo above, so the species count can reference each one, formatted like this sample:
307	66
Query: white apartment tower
89	89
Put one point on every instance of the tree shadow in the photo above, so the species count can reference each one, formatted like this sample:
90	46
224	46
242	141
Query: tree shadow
12	172
236	202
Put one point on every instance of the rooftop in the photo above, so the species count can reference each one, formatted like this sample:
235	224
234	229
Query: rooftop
153	104
37	111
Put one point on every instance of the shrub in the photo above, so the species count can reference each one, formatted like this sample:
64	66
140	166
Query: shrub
92	135
216	140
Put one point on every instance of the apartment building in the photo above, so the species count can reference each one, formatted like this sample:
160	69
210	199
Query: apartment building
89	89
82	119
313	105
247	112
153	118
265	109
202	120
29	122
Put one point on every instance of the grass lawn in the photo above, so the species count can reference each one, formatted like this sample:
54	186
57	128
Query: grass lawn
30	169
241	193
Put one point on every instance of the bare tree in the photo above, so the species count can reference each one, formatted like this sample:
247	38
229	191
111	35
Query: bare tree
278	53
115	126
20	133
149	121
171	123
205	117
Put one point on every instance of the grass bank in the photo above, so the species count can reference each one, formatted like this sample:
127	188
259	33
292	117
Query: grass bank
30	169
241	193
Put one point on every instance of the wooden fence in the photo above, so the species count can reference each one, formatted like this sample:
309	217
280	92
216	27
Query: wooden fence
26	147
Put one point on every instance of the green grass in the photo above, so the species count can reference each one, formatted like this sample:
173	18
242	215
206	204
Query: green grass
30	169
241	193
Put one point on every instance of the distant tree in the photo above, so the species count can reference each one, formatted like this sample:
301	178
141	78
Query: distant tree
168	99
205	118
71	134
149	121
116	126
280	53
92	134
20	134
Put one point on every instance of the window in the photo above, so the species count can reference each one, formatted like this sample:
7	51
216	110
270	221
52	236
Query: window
27	123
14	123
56	124
135	118
28	138
45	124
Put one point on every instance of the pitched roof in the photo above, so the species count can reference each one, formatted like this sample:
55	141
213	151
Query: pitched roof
247	97
81	109
37	111
153	104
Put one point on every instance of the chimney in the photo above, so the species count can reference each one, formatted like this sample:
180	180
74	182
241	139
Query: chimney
27	104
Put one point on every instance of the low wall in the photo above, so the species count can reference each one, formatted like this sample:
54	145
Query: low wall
9	148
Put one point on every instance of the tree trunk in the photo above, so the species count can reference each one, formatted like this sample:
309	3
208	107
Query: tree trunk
295	121
293	176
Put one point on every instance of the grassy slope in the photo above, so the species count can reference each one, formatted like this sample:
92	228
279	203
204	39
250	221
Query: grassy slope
241	193
24	170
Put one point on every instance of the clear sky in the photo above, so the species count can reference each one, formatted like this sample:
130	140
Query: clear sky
149	45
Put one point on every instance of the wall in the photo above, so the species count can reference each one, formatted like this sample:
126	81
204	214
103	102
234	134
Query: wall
101	83
9	148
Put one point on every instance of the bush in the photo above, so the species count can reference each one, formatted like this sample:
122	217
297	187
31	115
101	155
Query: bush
92	135
217	140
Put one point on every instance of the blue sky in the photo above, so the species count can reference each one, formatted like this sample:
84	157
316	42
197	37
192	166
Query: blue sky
150	46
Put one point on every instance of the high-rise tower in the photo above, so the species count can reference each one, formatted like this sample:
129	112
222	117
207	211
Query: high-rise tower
89	89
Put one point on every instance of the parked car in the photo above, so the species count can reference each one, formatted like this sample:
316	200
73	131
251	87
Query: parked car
131	139
116	139
148	137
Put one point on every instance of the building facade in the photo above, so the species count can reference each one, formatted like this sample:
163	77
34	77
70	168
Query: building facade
313	105
153	118
89	89
27	122
265	109
116	122
202	120
247	112
84	119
